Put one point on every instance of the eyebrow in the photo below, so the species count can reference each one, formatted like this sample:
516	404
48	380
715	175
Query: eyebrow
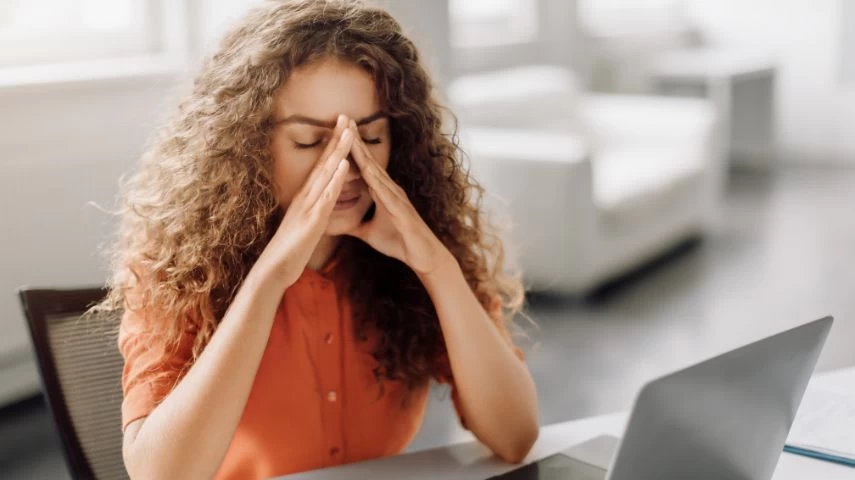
327	124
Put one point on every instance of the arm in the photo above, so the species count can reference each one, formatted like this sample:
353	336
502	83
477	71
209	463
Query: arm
187	435
496	392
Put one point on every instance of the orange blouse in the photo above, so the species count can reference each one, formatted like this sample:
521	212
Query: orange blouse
315	402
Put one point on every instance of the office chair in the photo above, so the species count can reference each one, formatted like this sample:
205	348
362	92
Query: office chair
81	370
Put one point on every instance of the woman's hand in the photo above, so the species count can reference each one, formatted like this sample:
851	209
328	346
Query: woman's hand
396	230
308	214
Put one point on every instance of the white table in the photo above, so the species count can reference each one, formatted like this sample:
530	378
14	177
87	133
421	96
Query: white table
471	460
741	85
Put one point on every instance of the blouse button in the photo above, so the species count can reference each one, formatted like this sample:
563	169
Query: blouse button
334	451
328	338
332	396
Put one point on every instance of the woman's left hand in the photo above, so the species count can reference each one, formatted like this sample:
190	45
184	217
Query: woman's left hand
396	229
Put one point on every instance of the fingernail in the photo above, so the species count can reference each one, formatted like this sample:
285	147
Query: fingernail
340	120
345	135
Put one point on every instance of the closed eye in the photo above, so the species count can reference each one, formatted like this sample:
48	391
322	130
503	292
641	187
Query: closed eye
306	146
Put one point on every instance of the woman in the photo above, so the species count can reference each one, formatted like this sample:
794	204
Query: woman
300	253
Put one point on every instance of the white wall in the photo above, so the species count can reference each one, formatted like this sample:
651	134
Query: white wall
213	17
426	24
815	108
62	147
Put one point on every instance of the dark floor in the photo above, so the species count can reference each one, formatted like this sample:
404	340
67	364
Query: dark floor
783	253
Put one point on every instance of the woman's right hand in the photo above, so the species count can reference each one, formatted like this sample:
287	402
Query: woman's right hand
308	214
231	358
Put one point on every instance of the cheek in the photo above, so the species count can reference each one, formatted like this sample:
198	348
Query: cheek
290	171
381	153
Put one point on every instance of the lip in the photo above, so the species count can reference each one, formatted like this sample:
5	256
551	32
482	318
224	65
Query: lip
347	200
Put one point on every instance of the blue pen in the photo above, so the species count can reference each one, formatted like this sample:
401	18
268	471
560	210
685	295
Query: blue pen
820	456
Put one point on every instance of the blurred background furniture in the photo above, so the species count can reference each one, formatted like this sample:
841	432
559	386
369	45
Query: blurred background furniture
742	87
594	185
81	368
667	51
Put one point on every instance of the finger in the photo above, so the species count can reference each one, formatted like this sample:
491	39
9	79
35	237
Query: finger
376	169
367	158
381	187
327	200
341	125
326	161
364	160
374	175
330	167
384	196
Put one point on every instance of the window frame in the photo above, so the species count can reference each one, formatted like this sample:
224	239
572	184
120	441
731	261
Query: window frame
39	48
172	39
485	38
555	42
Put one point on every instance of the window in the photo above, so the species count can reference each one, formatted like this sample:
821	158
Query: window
628	15
847	47
50	31
478	23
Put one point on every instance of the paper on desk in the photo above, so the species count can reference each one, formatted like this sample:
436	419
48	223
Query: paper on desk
825	422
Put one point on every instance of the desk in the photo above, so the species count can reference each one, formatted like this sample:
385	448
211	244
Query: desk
471	460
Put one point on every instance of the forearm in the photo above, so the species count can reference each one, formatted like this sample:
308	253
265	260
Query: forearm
188	434
496	391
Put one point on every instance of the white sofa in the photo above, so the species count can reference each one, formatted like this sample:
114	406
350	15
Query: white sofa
594	185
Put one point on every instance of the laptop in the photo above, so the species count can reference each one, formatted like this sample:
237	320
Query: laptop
725	418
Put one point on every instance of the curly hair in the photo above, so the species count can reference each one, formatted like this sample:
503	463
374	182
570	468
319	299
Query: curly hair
202	204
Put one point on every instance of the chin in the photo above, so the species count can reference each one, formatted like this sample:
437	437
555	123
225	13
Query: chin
343	222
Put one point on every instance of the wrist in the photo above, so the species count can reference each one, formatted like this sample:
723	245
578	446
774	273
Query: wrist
445	270
267	272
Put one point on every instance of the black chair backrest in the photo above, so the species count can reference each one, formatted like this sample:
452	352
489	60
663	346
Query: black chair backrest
81	369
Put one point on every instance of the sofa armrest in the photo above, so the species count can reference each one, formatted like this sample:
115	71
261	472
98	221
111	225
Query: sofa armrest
542	183
629	119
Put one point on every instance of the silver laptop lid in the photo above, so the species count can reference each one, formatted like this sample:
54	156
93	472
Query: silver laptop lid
724	418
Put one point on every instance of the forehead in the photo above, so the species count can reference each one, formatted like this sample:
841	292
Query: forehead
326	88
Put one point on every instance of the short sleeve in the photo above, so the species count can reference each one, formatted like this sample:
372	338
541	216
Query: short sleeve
495	313
150	371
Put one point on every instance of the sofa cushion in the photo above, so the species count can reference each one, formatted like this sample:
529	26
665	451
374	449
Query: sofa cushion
618	120
635	183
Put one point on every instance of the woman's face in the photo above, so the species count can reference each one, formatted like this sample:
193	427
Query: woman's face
305	113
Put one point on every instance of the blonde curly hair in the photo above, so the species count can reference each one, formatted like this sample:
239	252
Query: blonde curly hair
202	205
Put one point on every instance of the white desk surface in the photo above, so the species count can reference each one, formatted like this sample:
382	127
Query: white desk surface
471	460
